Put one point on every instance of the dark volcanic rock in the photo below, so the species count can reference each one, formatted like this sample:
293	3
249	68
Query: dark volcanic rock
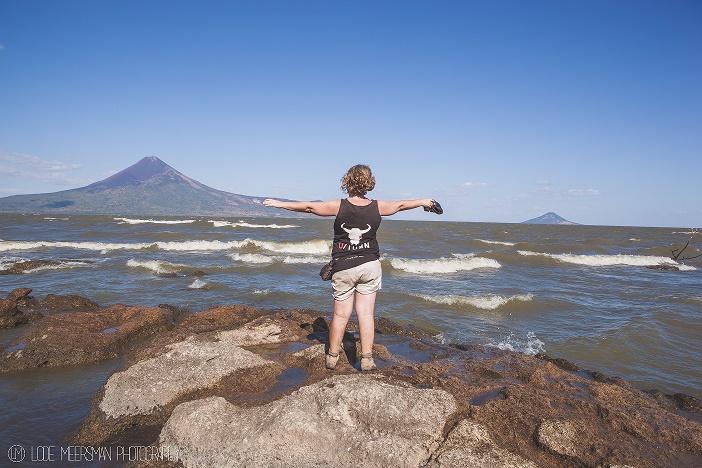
19	293
10	316
68	339
54	304
663	267
238	385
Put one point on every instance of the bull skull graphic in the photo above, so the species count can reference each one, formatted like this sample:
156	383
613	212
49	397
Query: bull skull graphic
355	233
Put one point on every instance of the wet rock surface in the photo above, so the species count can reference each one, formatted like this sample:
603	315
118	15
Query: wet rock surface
74	338
239	386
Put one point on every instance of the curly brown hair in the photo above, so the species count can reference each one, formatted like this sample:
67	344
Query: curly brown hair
358	180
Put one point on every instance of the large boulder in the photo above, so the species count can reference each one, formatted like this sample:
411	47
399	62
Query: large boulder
12	312
69	339
186	366
346	420
470	444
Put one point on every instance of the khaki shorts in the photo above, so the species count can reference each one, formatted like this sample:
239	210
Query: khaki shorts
365	278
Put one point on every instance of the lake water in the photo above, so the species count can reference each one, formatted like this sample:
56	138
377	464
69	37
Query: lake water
583	293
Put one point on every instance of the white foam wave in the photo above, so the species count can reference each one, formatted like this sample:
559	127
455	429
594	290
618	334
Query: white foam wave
251	258
60	266
198	284
157	266
634	239
610	260
7	262
261	292
443	265
241	223
263	259
153	221
486	302
687	232
530	345
313	247
56	219
494	242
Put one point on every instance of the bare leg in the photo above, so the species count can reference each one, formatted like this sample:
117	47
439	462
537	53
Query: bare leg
365	311
342	313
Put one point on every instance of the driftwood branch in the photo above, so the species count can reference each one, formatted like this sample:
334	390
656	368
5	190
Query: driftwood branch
676	254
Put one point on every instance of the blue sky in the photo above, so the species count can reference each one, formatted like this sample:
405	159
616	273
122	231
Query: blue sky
501	110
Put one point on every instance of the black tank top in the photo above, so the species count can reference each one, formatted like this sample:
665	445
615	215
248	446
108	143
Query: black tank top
355	228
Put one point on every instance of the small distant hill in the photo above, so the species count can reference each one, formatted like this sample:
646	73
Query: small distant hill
548	218
149	187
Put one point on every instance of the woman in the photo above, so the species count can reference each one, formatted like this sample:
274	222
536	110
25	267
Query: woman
355	255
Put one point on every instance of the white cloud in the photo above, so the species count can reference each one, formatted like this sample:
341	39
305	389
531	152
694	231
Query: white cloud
33	167
475	184
580	192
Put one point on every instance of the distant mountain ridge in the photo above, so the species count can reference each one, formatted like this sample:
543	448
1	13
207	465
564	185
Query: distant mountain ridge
549	218
149	187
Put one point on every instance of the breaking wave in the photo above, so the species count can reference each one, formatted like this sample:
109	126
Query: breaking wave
198	284
312	247
486	302
56	219
460	262
257	258
530	345
59	266
7	262
494	242
153	221
610	260
241	223
157	266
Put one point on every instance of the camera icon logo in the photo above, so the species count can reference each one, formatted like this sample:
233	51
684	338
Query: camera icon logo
16	453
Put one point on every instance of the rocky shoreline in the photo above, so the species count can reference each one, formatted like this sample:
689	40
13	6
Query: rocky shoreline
239	386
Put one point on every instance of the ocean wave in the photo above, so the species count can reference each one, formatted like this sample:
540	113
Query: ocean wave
257	258
241	223
62	264
530	345
485	302
495	242
251	258
261	292
610	260
7	262
465	262
198	284
314	247
157	266
56	219
687	232
153	221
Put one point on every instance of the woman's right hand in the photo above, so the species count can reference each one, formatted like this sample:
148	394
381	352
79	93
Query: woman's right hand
272	202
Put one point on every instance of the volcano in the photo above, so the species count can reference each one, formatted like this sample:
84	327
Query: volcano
549	218
149	187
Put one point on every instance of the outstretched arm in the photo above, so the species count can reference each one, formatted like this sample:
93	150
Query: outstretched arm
388	208
320	208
